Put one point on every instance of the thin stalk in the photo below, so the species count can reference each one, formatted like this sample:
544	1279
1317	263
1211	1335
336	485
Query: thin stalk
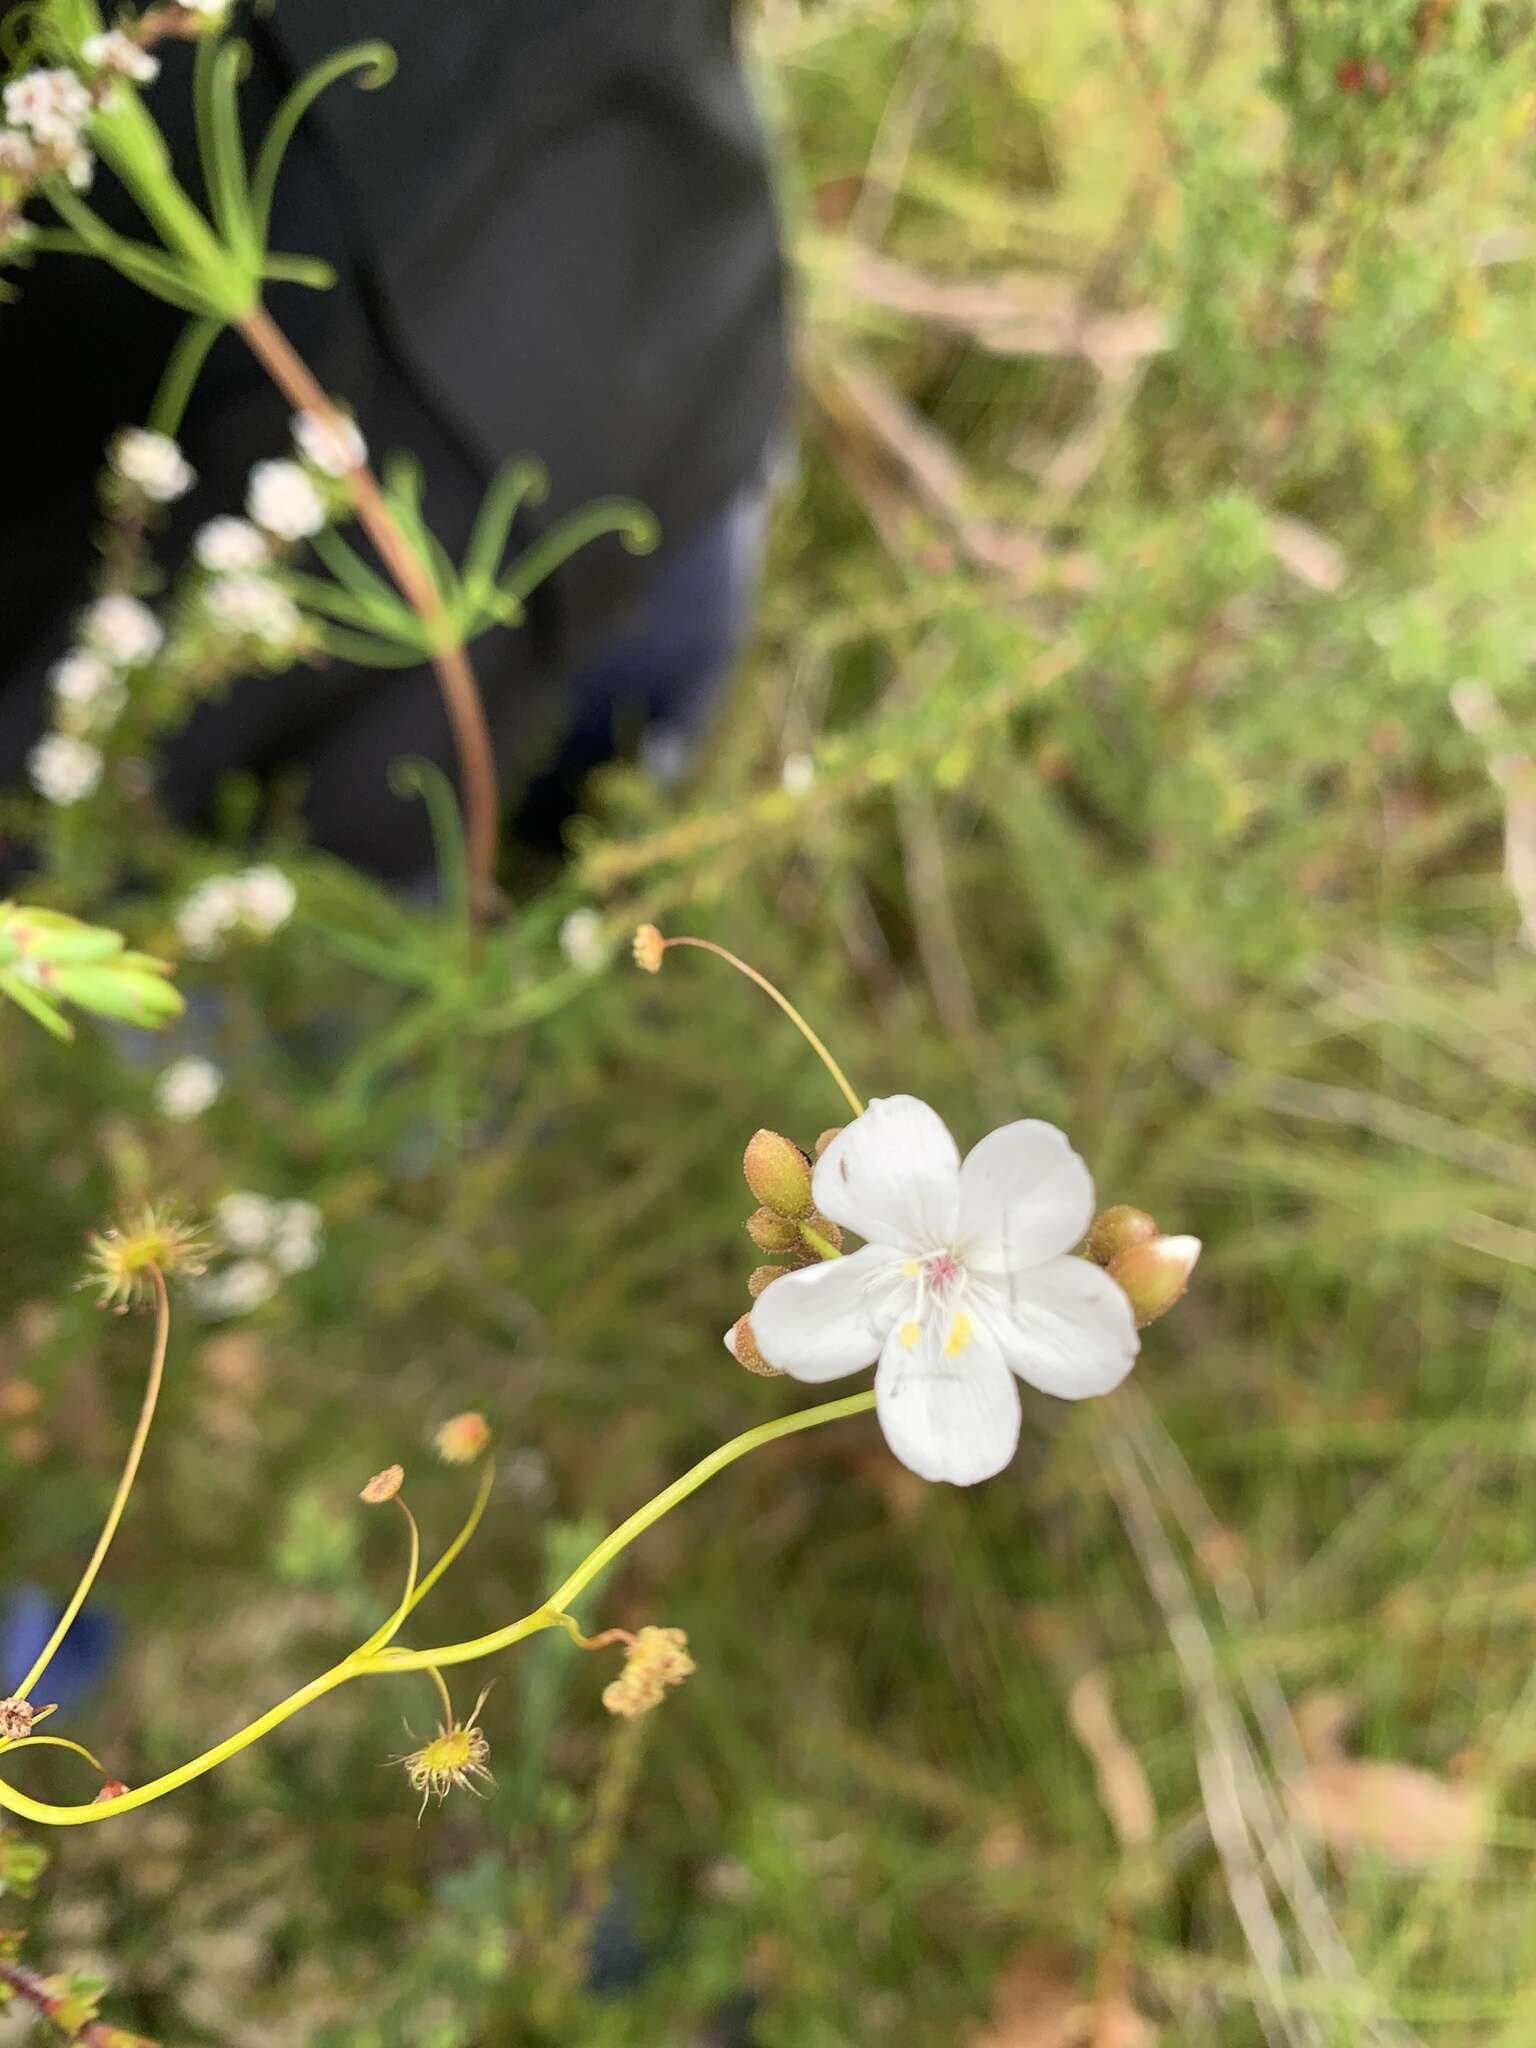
455	677
124	1488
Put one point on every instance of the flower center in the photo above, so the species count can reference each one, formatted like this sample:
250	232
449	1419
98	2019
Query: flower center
939	1290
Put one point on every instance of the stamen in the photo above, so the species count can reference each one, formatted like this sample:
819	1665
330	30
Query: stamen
909	1335
959	1336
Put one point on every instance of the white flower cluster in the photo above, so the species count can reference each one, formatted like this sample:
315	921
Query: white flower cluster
581	940
283	501
187	1087
272	1240
47	110
65	769
153	464
250	606
229	547
256	904
333	445
120	56
121	630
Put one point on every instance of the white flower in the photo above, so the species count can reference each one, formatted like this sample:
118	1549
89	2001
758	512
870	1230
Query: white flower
296	1237
282	500
246	1221
187	1087
964	1281
88	691
208	913
123	630
153	464
253	608
334	445
64	769
120	54
228	546
18	157
237	1289
581	940
213	7
267	898
53	105
797	773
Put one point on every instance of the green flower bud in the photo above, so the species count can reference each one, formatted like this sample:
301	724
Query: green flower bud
1154	1275
1116	1231
778	1173
742	1346
131	988
772	1233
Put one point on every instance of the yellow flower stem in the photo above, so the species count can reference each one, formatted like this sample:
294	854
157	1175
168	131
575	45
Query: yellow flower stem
442	1692
391	1627
124	1488
821	1246
449	1556
58	1742
552	1613
794	1016
367	1662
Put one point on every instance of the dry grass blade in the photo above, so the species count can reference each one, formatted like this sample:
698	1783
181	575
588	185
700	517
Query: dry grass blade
1124	1793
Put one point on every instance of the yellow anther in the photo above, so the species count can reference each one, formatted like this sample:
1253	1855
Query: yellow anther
909	1335
959	1336
912	1268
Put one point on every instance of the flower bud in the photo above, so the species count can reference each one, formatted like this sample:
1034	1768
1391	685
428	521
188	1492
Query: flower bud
1154	1275
383	1485
649	948
826	1138
656	1660
461	1439
1116	1231
778	1173
114	1788
17	1716
772	1233
742	1346
761	1277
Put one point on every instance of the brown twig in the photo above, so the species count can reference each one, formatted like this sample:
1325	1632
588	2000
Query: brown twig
26	1985
455	678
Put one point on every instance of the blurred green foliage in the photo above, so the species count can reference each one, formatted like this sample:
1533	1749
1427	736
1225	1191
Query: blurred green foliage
1153	601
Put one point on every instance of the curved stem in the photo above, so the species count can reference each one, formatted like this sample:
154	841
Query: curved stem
365	1663
450	1555
794	1016
124	1488
455	678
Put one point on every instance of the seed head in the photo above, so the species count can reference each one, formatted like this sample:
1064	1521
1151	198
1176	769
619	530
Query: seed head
122	1259
383	1485
16	1718
657	1659
461	1440
457	1753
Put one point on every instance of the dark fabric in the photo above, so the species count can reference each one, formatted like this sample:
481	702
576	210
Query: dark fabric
555	236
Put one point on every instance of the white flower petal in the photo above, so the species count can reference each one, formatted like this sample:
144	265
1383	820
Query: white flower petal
892	1175
830	1319
1064	1326
1025	1196
948	1412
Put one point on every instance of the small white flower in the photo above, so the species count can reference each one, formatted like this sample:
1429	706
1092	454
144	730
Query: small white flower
123	630
187	1087
53	105
153	464
246	1221
238	1289
581	940
253	608
80	168
282	501
797	773
207	7
296	1237
228	546
267	898
18	156
333	445
64	769
964	1281
89	693
208	914
121	55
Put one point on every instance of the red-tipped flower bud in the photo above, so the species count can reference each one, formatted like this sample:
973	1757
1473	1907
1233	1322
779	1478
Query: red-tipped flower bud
742	1346
1155	1275
1116	1231
778	1173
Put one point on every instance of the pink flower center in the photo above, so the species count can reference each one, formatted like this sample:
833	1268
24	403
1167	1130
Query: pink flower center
942	1272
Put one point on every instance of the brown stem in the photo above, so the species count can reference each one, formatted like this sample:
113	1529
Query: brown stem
455	678
24	1984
